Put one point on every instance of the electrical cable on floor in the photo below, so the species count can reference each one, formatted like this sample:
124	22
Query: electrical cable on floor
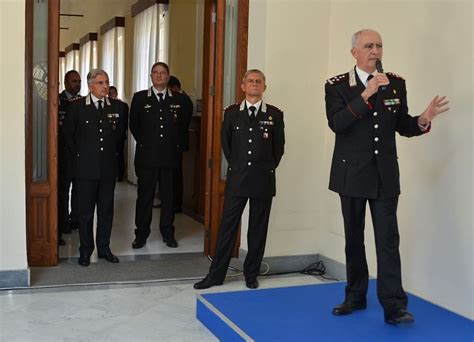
316	269
230	268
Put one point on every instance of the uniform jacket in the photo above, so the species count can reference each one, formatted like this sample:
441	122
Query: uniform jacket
253	149
155	128
365	151
64	157
93	137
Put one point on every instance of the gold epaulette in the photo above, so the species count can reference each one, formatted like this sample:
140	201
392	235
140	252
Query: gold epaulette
392	74
337	79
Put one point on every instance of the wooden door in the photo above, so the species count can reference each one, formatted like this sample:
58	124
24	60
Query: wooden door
221	59
41	78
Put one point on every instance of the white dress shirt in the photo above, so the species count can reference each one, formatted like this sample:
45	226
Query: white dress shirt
256	105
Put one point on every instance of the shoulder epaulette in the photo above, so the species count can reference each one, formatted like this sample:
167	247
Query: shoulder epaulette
274	107
232	105
391	74
337	79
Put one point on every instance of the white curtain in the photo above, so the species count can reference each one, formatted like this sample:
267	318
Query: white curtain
62	72
88	61
151	42
72	60
113	58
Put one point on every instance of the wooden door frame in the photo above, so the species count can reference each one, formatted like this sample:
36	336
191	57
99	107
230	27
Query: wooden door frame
41	197
215	198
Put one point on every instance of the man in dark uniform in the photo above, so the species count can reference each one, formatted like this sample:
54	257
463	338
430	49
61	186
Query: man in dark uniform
92	131
183	140
72	84
113	94
365	109
155	116
253	141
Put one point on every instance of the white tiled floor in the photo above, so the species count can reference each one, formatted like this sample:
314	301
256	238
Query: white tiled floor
143	312
189	233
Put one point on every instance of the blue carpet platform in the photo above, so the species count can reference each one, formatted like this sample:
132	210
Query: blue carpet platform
303	313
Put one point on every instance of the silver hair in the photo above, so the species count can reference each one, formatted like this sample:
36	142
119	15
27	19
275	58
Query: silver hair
94	73
355	36
254	71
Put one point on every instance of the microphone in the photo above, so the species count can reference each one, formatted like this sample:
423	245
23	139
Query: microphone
378	66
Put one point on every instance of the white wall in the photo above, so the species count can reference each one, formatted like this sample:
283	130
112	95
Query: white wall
298	44
12	138
292	77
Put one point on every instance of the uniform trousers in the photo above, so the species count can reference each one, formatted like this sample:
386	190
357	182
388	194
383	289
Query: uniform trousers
65	180
92	193
256	236
384	218
147	179
178	184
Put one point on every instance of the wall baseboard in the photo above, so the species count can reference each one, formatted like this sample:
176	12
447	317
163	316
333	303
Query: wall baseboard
14	278
295	263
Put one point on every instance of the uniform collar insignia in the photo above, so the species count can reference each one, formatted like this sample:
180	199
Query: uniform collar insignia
263	106
352	78
242	105
89	100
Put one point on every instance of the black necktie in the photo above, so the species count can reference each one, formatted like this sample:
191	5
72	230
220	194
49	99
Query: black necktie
252	112
99	105
160	95
368	79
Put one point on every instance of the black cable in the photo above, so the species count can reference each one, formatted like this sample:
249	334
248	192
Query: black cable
316	269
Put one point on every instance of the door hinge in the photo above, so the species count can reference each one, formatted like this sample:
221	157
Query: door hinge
209	163
212	90
214	17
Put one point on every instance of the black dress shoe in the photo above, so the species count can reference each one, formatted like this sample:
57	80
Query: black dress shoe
207	283
178	210
109	257
252	284
137	244
347	308
399	317
170	242
84	261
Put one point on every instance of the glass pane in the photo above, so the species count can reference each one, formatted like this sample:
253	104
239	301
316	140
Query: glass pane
230	61
40	91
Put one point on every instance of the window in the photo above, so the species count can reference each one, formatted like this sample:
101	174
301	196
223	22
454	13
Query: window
88	59
113	53
72	57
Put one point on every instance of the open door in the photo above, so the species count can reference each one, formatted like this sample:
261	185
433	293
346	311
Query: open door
225	49
41	77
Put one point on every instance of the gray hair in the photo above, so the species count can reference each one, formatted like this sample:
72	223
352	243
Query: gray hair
254	71
355	36
94	73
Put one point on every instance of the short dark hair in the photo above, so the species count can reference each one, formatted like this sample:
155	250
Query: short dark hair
69	73
174	82
163	64
113	88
